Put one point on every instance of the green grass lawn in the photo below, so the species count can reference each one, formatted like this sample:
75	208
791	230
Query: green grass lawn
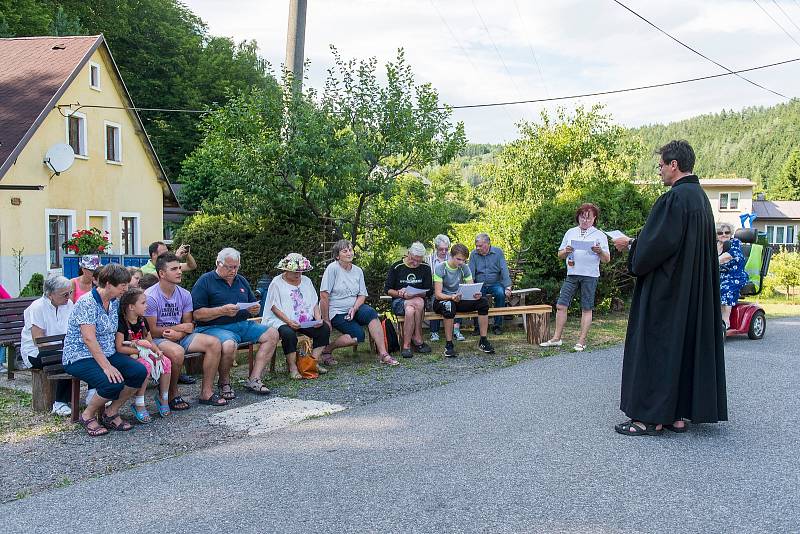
18	421
776	307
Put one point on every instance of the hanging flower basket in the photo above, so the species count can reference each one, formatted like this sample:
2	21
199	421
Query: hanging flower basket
91	241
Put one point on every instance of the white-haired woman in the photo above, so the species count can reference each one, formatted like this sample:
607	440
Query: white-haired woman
732	276
342	293
48	316
439	255
404	281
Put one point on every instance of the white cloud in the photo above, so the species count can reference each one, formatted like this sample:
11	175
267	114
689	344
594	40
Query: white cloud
581	47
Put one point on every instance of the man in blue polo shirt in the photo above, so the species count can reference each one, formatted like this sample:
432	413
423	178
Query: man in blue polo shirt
217	297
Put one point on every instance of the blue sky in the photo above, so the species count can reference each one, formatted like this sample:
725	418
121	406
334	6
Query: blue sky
580	46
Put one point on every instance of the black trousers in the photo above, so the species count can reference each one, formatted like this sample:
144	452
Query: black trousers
320	337
448	308
63	387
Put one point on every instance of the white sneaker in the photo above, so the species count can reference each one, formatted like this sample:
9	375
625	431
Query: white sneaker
434	336
458	335
62	409
551	343
578	347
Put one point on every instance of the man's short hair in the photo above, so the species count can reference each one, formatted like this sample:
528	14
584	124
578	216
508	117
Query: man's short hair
416	249
114	274
483	237
163	260
680	151
459	249
226	253
153	248
148	280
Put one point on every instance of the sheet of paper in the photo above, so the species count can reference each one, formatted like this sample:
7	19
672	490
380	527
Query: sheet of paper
415	291
468	290
246	305
581	245
613	234
310	324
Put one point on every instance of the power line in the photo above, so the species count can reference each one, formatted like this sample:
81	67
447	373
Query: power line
778	24
785	14
510	103
533	52
698	52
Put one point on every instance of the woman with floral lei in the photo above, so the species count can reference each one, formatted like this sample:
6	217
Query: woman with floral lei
293	307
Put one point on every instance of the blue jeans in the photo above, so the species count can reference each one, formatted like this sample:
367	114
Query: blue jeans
88	370
355	327
498	291
241	332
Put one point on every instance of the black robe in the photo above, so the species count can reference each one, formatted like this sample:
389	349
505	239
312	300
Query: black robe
674	364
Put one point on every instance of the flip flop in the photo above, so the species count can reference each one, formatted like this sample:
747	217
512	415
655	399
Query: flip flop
179	404
213	400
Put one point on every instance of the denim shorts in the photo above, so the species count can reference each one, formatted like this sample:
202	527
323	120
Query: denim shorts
241	332
354	328
184	342
587	285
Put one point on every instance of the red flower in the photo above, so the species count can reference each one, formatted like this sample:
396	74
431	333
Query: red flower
74	234
101	248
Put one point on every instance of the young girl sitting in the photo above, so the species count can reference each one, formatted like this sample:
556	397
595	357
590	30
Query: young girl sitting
134	338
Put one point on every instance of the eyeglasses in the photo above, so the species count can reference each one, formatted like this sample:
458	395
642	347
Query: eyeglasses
723	233
65	295
229	267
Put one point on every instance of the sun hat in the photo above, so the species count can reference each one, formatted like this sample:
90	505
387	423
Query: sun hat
294	262
90	261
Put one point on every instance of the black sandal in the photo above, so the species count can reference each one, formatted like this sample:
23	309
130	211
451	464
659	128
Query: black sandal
178	404
678	429
109	422
629	428
213	400
226	392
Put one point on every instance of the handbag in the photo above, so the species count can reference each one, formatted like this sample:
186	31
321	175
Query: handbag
306	363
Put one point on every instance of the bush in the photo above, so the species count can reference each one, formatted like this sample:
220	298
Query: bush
261	241
35	287
784	274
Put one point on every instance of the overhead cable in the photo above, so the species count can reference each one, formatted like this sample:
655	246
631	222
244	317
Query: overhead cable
718	64
785	14
778	24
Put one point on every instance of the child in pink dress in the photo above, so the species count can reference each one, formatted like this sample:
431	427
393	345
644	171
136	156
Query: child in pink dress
133	337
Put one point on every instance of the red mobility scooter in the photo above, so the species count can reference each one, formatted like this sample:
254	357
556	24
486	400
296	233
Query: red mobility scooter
748	318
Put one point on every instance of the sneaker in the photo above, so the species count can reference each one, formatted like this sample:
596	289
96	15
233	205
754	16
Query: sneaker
422	348
551	343
62	409
497	330
458	335
579	347
486	347
450	351
406	353
434	336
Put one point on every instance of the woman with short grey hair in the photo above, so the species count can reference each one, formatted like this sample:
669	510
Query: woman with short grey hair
48	316
732	276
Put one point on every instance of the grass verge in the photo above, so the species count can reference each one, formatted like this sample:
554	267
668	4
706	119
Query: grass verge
19	422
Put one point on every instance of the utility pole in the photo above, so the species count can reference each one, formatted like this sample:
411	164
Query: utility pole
295	41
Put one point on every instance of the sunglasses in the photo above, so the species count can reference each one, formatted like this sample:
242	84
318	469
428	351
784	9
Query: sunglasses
723	233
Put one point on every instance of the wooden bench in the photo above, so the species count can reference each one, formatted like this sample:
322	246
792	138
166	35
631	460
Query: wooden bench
51	349
12	321
536	319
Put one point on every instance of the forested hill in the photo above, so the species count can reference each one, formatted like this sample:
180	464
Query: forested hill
753	143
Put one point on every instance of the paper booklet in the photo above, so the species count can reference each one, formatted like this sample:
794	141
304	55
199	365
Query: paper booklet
468	290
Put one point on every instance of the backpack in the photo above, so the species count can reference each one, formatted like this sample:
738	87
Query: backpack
390	334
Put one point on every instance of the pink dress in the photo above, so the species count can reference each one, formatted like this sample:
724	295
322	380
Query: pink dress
76	290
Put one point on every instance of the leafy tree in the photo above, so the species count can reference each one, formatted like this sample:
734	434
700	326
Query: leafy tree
24	18
787	185
784	271
64	24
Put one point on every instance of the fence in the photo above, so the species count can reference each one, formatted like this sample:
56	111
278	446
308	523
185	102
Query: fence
71	269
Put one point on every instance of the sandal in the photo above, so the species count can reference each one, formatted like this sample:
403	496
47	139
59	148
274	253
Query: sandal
226	392
296	375
163	408
630	428
93	432
256	386
328	359
321	370
678	429
110	423
141	416
214	400
178	404
579	347
388	360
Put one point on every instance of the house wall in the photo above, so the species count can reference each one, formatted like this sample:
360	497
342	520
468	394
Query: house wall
730	216
761	225
91	191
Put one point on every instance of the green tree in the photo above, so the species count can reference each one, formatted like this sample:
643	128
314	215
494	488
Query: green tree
787	185
24	18
64	24
784	271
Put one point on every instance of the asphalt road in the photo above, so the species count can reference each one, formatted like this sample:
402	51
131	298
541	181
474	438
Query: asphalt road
530	448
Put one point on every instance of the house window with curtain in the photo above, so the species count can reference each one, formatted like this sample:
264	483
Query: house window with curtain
780	235
129	235
58	231
76	133
729	201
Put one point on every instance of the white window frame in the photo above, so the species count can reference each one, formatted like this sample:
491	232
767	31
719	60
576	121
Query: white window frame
774	229
84	133
72	227
137	234
117	142
106	215
93	65
728	196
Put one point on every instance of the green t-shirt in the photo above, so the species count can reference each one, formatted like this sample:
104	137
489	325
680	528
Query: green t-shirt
452	278
148	268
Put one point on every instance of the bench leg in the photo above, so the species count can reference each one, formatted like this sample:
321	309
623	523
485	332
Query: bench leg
41	391
11	356
75	394
538	327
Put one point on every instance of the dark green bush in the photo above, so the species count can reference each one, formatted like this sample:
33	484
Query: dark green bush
35	287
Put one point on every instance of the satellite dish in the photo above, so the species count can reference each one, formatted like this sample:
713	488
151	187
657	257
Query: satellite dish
59	157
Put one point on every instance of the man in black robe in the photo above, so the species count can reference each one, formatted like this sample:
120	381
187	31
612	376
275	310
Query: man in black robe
674	366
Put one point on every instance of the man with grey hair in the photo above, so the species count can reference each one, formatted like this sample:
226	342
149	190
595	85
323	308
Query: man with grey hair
48	316
220	299
403	282
488	265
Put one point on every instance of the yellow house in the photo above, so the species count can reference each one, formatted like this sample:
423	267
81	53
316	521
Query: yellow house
730	198
68	90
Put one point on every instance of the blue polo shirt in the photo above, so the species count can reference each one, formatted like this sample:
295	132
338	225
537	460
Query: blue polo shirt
211	291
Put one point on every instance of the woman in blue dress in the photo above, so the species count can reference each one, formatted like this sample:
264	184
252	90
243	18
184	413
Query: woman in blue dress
732	276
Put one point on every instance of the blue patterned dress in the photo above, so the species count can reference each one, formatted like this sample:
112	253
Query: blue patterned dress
732	276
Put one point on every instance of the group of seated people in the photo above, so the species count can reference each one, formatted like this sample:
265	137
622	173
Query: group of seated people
126	326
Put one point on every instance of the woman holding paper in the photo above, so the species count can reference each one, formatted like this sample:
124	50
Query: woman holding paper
583	247
292	306
342	294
